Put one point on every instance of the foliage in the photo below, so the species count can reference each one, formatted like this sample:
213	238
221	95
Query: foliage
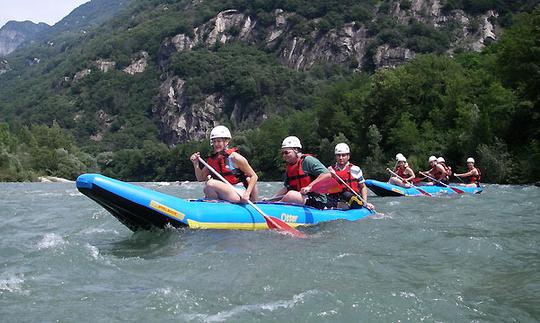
40	150
474	104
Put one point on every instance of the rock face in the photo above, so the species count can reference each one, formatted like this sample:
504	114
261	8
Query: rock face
81	74
181	122
105	65
4	66
347	45
387	56
336	46
14	33
138	65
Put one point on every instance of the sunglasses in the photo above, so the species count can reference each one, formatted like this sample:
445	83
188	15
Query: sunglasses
286	152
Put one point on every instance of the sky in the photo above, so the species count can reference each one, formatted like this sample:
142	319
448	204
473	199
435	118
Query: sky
48	11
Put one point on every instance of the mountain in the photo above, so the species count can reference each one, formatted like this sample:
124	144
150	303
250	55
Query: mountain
87	16
14	33
83	18
166	71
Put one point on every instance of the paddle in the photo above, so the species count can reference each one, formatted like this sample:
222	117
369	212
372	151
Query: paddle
460	179
401	178
352	191
326	186
457	190
272	222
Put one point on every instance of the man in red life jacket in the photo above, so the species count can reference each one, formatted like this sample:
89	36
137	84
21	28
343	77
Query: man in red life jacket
301	172
350	174
231	165
473	176
447	168
404	171
437	171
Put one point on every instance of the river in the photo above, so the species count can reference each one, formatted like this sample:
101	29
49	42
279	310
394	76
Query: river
447	259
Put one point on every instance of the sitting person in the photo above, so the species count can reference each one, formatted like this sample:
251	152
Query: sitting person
231	165
404	171
350	174
473	176
301	172
437	171
447	168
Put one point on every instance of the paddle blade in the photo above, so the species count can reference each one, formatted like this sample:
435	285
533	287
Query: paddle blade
457	190
327	186
423	192
282	227
417	180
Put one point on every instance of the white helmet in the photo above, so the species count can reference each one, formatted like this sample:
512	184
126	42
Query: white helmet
432	158
470	160
399	155
342	148
291	142
441	160
401	158
220	132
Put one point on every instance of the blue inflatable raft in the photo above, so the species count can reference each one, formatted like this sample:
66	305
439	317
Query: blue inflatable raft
386	189
141	208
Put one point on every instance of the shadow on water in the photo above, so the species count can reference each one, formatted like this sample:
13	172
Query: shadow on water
146	244
170	242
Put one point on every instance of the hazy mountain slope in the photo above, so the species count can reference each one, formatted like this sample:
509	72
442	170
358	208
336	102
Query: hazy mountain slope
14	33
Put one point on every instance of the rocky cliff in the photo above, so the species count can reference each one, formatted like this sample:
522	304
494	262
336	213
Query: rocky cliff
15	33
353	44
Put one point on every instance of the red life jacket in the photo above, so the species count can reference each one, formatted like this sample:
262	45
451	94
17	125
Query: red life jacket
400	172
296	178
346	176
474	179
447	169
219	161
439	175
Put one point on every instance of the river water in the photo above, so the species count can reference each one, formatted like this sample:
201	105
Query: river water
446	259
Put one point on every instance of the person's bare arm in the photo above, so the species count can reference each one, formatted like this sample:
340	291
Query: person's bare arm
201	174
241	163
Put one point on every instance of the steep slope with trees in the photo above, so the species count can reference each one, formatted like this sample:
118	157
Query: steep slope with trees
139	91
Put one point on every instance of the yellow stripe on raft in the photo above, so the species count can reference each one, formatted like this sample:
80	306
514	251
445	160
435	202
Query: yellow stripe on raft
230	225
398	191
227	225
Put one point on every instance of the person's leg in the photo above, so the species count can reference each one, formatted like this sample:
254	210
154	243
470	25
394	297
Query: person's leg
394	180
294	197
254	194
398	182
215	189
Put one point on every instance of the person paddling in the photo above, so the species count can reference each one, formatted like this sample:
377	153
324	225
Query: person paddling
473	176
447	169
437	171
403	170
230	164
350	174
302	171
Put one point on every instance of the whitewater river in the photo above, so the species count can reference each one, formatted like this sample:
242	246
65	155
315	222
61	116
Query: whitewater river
463	259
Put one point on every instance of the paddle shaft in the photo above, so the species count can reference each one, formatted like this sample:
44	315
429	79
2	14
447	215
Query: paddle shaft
401	178
210	168
461	179
272	222
446	185
350	188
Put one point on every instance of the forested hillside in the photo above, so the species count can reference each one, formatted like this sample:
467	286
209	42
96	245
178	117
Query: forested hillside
134	96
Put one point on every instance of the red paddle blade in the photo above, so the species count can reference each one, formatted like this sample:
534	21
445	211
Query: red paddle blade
423	192
327	186
457	190
416	180
283	227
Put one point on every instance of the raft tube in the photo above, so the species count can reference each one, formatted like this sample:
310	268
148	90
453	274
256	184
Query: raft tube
140	208
386	189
